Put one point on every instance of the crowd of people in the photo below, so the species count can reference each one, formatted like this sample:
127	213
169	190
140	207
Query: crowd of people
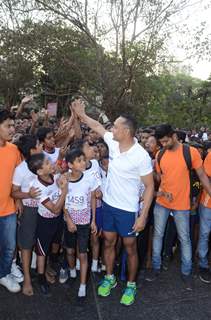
76	195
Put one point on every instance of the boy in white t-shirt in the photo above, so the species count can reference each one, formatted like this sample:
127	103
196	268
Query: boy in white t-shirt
21	189
80	207
46	136
53	191
93	171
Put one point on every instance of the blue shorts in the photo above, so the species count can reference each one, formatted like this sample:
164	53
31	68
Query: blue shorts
118	220
99	218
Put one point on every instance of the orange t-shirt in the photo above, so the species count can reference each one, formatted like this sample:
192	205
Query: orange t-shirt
9	159
175	177
205	198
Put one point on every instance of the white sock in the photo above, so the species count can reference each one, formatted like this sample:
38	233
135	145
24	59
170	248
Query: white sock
73	273
94	265
132	284
77	264
82	290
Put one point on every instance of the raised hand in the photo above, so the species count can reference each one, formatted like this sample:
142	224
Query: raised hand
34	116
26	99
78	107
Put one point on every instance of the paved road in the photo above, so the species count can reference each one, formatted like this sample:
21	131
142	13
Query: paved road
165	299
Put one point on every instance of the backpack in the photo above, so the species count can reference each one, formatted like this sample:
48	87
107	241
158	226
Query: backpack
195	184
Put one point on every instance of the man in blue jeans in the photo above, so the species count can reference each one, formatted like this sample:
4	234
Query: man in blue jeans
9	159
174	196
205	227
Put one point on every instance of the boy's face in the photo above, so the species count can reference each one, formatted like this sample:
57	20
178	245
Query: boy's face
105	163
79	164
88	151
7	130
47	168
102	149
96	153
49	141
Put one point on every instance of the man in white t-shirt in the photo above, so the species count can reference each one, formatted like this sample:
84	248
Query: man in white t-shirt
129	166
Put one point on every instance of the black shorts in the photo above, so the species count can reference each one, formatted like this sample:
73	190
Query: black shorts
46	231
26	231
81	237
60	231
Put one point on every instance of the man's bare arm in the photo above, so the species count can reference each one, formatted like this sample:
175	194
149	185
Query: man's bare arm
79	109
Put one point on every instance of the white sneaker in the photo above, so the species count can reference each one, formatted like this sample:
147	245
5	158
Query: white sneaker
9	283
16	273
73	273
82	291
63	275
77	265
94	268
103	267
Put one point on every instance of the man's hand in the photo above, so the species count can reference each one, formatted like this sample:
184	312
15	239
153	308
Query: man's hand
78	107
139	224
34	193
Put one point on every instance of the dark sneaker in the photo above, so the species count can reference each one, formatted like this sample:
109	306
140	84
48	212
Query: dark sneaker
188	281
205	275
152	275
43	285
165	262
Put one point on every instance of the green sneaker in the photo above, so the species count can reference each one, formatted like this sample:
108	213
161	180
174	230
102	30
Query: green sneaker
128	297
106	285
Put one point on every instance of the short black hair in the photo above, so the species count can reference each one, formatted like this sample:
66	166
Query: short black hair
35	162
4	115
26	143
42	133
164	130
181	135
130	122
147	130
78	144
73	154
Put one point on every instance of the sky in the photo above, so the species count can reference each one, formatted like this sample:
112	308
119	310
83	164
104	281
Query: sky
196	13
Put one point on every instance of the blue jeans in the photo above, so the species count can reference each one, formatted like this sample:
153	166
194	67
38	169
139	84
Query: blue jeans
204	232
8	226
182	222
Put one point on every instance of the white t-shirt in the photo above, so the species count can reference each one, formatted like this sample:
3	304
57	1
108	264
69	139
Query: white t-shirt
53	156
24	178
204	136
103	175
78	199
49	192
125	170
94	171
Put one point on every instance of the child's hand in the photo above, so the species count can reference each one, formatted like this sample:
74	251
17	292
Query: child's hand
63	183
34	193
168	196
98	194
62	152
93	228
71	226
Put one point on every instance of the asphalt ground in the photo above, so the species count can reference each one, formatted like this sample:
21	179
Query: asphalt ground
164	299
